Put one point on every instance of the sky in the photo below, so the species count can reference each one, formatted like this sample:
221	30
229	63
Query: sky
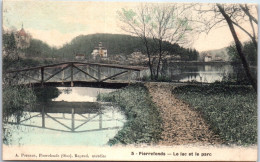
58	22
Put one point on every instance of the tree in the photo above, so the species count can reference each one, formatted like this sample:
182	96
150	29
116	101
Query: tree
235	16
157	23
249	51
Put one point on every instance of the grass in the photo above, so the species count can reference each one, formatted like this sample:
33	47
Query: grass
143	123
231	110
161	78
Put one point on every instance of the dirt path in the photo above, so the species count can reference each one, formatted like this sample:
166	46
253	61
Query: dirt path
181	125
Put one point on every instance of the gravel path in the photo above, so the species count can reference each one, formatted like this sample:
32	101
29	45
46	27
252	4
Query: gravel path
181	124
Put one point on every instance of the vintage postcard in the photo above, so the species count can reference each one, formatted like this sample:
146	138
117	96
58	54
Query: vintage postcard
129	81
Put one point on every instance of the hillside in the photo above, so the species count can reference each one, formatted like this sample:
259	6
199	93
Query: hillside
115	43
118	44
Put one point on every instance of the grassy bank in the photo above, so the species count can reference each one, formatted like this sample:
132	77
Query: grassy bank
231	110
143	123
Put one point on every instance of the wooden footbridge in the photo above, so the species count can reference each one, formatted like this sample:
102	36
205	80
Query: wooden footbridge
69	74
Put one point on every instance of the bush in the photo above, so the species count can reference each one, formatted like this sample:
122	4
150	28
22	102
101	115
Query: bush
15	100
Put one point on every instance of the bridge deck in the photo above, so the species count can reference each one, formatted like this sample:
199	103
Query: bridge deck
94	84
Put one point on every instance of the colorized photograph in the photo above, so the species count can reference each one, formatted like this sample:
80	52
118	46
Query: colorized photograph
100	80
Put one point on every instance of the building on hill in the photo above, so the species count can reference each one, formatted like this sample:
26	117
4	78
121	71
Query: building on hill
99	51
218	58
207	58
22	39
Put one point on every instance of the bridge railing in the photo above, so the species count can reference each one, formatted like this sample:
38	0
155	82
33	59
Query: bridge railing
77	71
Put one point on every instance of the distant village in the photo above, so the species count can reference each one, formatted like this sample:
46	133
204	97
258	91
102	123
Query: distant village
101	53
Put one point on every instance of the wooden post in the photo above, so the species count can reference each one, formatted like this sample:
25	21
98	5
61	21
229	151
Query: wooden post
87	70
42	75
63	75
138	75
43	117
100	120
18	118
99	73
72	119
71	70
129	75
113	114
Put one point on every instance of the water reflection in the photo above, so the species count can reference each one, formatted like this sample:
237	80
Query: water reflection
204	73
80	94
68	120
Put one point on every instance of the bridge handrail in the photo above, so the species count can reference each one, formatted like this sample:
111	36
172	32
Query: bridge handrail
134	68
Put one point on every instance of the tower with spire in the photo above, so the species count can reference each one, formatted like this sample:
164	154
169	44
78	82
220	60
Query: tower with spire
22	39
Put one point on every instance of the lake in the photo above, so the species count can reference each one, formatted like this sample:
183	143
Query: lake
92	126
204	73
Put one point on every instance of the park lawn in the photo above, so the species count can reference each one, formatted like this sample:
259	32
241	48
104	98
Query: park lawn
143	123
230	110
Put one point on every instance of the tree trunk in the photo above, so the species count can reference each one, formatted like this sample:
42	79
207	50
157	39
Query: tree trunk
238	47
149	57
160	57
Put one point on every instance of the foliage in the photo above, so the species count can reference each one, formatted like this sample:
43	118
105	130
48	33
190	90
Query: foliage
161	78
249	51
45	94
118	44
39	49
231	110
143	123
9	42
15	99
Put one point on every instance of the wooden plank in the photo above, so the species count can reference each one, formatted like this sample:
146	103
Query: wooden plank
56	73
65	107
42	75
114	84
86	121
113	76
30	118
35	126
86	73
30	77
100	120
39	67
135	68
96	71
43	117
99	74
53	76
72	119
71	75
74	73
60	130
58	121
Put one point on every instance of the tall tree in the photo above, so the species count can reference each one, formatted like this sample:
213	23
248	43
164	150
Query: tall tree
235	16
159	23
